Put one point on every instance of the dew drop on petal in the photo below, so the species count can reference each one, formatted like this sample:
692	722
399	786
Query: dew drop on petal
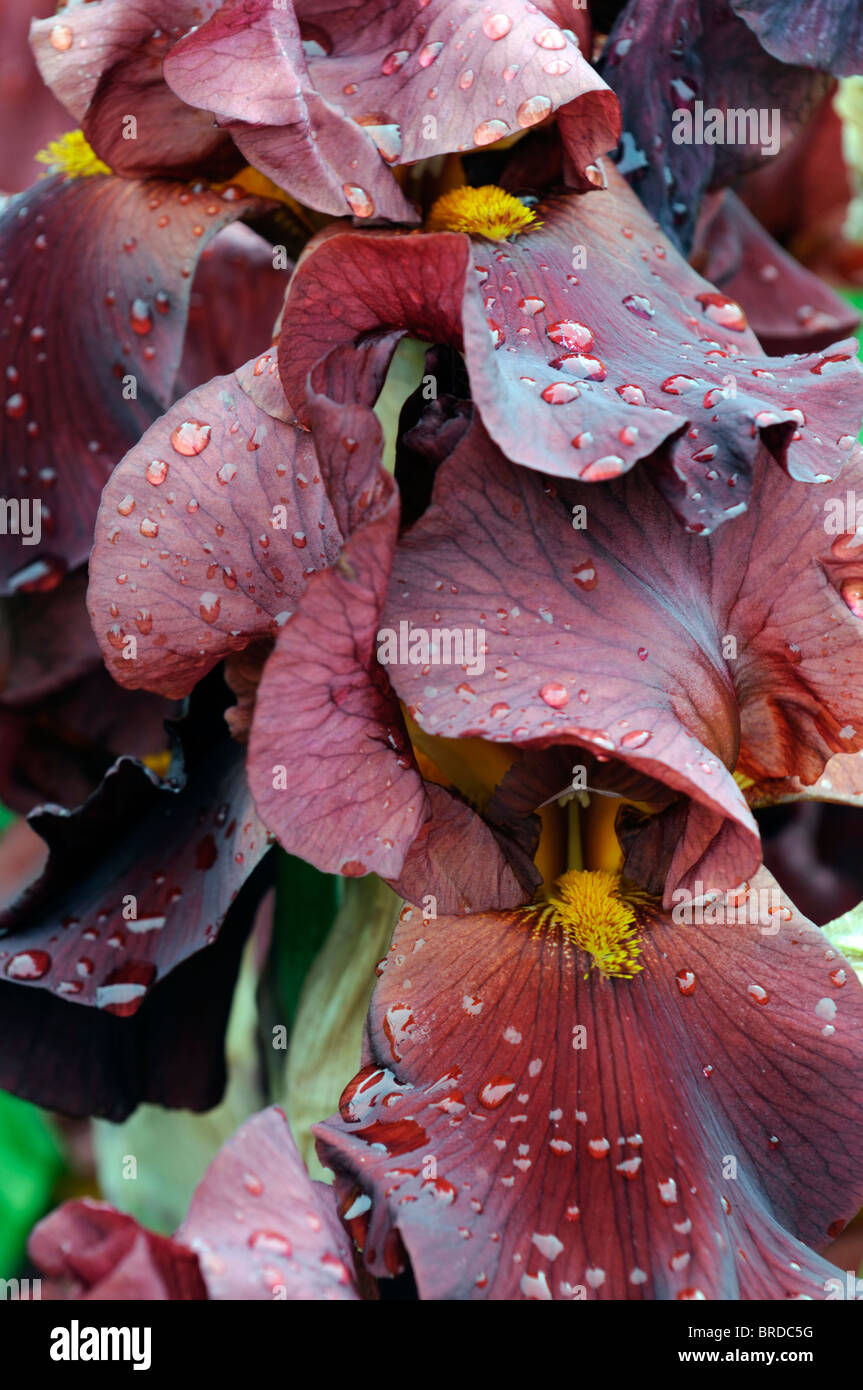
639	305
359	201
569	334
28	965
554	694
549	38
60	38
156	472
190	438
496	26
532	110
487	132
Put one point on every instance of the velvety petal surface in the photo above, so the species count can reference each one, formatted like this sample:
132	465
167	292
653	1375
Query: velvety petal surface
140	879
326	99
89	1250
24	98
217	518
577	373
97	274
330	762
682	657
525	1131
103	60
824	34
247	67
663	58
330	765
259	1225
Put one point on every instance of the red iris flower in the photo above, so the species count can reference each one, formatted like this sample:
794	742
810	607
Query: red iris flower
531	640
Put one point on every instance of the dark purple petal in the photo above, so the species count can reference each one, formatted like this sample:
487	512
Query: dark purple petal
524	1130
98	274
261	1228
665	58
58	748
89	1250
577	374
825	34
104	62
140	879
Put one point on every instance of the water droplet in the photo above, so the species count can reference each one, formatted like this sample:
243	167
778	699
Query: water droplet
570	334
28	965
636	738
428	54
639	305
758	994
359	201
140	317
190	438
496	1091
156	472
585	576
394	61
722	310
685	978
560	392
487	132
60	37
209	606
549	38
272	1242
582	366
532	110
633	395
496	26
677	385
601	470
554	694
466	79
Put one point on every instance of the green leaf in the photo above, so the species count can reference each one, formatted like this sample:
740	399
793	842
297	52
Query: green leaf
306	904
30	1164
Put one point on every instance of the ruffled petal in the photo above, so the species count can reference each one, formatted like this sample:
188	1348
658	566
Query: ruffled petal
578	375
98	272
522	1130
104	62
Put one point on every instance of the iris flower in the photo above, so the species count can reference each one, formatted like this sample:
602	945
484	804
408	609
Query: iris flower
606	1056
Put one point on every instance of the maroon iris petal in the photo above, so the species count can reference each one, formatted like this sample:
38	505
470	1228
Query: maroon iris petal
104	62
630	639
669	58
324	104
88	1250
526	1132
328	746
221	513
259	1225
789	309
98	272
26	105
590	345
